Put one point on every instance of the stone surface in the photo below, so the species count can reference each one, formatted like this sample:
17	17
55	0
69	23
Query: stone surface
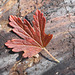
27	6
60	16
8	7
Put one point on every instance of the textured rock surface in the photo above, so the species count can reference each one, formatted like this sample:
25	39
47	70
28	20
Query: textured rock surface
8	7
27	6
60	16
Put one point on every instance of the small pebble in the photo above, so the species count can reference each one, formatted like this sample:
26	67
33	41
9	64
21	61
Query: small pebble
30	64
36	56
57	73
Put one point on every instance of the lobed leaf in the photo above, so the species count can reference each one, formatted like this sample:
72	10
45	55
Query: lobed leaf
34	38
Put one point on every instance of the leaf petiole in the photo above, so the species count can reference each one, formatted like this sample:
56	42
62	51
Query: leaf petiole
51	55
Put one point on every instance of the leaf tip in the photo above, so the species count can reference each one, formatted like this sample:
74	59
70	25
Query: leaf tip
7	42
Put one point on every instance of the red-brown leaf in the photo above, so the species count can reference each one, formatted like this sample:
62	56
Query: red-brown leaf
34	38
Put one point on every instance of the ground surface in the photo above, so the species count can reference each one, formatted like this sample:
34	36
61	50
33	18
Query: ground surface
60	16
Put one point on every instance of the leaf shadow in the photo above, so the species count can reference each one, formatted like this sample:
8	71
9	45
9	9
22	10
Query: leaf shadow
26	17
11	52
20	57
47	58
16	35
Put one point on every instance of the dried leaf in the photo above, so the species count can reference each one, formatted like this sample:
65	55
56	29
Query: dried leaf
34	38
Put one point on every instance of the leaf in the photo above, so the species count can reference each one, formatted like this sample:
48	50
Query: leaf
34	38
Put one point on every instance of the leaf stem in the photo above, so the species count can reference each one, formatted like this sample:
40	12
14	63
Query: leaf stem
51	55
